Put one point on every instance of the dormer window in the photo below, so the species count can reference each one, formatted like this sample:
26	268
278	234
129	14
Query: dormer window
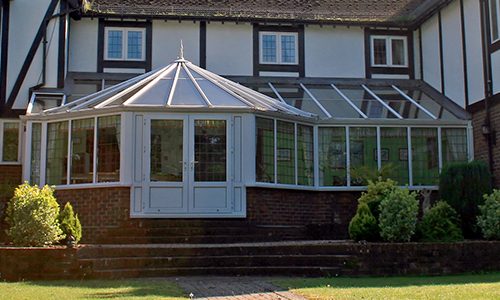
389	51
278	48
124	44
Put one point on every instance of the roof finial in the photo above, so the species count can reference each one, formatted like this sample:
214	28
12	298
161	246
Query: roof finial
181	51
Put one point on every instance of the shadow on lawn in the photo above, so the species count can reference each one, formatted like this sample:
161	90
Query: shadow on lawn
110	289
375	282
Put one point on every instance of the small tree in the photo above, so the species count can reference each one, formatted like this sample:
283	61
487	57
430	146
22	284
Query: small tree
398	215
363	225
376	191
32	216
489	220
440	224
70	224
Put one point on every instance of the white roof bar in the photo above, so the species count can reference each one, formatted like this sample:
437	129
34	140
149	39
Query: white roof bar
382	102
174	84
203	95
323	109
414	102
349	101
276	92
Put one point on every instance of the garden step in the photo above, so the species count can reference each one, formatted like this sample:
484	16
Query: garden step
193	239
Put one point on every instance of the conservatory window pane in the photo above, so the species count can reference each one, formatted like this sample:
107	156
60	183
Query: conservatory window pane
108	149
294	95
394	153
167	148
264	162
424	143
332	156
305	155
57	153
10	142
365	102
363	151
332	101
286	152
454	145
210	150
396	101
36	152
82	151
428	103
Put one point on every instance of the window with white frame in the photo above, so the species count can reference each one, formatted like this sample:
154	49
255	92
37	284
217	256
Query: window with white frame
9	141
495	20
278	48
389	51
124	43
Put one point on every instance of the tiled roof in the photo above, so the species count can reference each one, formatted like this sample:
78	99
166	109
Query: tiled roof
401	12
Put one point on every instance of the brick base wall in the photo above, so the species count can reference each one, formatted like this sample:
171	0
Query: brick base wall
10	177
480	141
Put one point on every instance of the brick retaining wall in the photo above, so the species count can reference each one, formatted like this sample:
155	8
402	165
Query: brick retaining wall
10	177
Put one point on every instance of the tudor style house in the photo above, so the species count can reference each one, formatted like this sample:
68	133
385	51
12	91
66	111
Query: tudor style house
263	113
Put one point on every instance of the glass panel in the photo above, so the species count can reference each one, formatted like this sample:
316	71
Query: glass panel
288	49
269	48
332	156
370	106
36	152
108	149
217	96
263	89
495	14
454	145
294	95
332	101
285	152
82	151
10	142
166	150
210	150
363	151
115	44
264	161
305	155
185	92
379	52
394	153
134	46
398	52
396	101
46	101
83	88
424	143
57	153
428	103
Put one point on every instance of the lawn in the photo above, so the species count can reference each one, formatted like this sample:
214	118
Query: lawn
481	286
92	289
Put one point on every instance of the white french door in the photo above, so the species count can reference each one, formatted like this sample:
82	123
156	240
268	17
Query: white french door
186	164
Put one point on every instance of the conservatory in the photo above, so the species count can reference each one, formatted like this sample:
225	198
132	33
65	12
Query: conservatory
188	143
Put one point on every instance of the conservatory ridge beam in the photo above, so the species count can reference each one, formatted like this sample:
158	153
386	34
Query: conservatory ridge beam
414	102
349	101
197	86
323	109
382	101
174	85
276	92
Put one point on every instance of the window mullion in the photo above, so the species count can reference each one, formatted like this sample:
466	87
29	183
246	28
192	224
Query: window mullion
94	161
69	154
388	47
278	48
124	44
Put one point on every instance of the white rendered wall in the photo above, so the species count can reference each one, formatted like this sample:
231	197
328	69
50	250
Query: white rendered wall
495	67
452	53
334	52
230	49
430	52
82	55
167	38
474	50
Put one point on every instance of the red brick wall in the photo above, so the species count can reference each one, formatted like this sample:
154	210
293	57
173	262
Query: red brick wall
480	142
10	177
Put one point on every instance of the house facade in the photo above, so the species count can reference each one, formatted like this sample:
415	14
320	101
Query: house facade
265	112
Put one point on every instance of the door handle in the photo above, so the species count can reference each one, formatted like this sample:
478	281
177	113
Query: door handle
193	163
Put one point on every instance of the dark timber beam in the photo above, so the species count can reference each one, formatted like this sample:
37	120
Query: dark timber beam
5	53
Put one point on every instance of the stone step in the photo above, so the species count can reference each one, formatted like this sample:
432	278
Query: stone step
179	223
233	271
200	239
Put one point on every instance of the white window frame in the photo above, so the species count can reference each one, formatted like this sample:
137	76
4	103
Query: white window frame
497	13
278	47
388	46
19	144
125	31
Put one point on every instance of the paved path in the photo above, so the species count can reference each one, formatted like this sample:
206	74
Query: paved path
234	288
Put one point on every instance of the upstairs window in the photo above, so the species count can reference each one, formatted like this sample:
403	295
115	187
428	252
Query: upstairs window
389	51
124	44
278	48
495	20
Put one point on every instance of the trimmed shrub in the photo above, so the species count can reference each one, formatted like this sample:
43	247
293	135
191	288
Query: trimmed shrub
440	224
32	216
462	186
398	215
363	225
489	220
376	191
69	223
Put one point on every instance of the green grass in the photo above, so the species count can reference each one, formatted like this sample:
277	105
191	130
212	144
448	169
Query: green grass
92	289
481	286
